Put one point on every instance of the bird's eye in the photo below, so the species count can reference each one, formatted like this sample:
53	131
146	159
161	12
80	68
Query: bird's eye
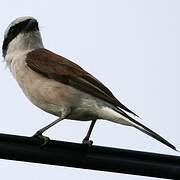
12	29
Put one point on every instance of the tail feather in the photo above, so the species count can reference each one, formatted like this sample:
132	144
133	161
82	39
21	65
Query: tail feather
145	129
127	110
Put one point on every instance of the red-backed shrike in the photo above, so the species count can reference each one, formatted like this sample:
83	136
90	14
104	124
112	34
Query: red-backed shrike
59	86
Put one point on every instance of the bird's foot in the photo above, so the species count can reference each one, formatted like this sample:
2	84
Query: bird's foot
88	142
44	139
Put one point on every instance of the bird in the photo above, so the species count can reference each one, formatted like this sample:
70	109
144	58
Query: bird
59	86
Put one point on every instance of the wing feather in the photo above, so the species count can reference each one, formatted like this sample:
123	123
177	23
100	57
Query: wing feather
63	70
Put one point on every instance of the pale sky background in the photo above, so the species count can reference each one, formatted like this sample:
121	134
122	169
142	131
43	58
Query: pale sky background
132	46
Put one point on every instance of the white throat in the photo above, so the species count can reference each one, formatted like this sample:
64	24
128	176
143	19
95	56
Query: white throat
22	43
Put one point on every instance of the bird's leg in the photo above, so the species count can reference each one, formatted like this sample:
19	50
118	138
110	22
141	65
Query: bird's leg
39	135
65	112
86	139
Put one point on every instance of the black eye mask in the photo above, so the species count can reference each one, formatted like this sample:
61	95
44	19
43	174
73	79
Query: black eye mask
13	32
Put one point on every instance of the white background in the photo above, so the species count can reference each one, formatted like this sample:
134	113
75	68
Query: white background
133	47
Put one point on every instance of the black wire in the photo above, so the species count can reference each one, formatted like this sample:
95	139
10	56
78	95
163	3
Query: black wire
96	157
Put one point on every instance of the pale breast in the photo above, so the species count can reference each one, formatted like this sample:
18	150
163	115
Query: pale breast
53	96
45	93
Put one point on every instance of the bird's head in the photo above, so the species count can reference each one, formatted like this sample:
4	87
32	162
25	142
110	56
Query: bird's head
22	34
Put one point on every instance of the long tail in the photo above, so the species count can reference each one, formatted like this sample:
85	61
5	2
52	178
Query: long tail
132	122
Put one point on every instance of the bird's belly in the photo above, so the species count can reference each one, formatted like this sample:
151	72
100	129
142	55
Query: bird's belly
47	94
53	96
88	108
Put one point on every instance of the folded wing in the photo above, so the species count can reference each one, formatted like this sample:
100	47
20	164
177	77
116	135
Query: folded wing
61	69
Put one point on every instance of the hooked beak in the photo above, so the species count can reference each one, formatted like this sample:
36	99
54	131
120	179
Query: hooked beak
31	26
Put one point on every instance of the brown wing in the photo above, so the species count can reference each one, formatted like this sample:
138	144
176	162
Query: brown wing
61	69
